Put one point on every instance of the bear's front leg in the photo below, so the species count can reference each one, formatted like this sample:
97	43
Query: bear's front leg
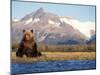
19	52
35	51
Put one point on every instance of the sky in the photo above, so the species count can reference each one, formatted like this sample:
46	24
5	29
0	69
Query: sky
80	12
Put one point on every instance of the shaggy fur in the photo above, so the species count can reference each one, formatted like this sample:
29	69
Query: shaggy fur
28	45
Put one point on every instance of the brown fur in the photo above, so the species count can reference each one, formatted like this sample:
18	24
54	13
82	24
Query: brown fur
28	45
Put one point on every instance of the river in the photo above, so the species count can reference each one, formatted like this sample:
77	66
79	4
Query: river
52	66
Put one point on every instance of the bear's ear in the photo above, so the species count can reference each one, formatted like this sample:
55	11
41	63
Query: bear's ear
32	31
23	31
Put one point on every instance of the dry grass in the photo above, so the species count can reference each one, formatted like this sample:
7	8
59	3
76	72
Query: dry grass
51	56
63	48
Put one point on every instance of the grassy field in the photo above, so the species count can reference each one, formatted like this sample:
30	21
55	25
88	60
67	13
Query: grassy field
51	56
63	48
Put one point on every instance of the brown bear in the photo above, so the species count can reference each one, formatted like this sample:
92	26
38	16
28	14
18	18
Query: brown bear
28	45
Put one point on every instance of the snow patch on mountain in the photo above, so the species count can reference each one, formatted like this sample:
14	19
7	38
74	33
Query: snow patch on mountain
65	20
56	24
36	20
28	21
51	22
44	35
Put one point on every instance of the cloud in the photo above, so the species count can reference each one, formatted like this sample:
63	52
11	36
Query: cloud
84	27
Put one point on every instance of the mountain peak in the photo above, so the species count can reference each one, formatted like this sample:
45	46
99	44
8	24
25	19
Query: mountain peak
40	10
33	14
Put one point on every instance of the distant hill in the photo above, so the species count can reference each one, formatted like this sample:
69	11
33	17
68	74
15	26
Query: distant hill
92	40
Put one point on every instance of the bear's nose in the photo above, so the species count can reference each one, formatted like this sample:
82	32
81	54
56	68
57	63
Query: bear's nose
27	37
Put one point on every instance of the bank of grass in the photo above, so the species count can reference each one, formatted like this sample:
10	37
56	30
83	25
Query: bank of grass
53	56
63	48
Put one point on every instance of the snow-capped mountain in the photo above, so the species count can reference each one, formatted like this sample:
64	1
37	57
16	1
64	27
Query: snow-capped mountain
48	28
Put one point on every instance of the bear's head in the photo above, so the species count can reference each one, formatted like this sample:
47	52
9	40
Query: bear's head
28	35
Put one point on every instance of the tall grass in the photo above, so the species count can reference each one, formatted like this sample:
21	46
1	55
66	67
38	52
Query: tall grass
68	48
62	48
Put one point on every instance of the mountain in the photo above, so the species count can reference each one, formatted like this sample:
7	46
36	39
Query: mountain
48	27
92	39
